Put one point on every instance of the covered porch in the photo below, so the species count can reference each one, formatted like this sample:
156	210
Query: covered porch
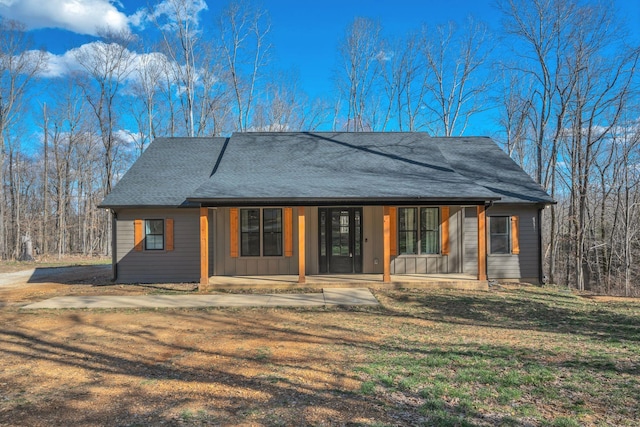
388	249
436	281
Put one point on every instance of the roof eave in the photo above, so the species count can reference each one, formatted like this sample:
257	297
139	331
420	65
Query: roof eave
342	201
186	204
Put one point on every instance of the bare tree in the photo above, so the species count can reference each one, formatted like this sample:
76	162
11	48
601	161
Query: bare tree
243	32
178	22
18	68
403	82
360	54
602	92
457	82
581	80
107	64
286	108
147	76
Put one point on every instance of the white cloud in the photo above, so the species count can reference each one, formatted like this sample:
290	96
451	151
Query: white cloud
60	65
67	63
166	12
79	16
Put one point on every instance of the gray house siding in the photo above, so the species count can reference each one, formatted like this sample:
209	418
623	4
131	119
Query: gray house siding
523	266
180	265
470	240
226	265
372	244
183	263
433	264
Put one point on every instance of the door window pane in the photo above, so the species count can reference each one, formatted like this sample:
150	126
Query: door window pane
358	232
272	232
340	233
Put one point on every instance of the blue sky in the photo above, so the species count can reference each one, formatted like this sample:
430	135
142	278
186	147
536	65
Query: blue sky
304	34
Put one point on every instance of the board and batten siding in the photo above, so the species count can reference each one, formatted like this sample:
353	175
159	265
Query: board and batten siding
433	263
179	265
470	230
226	265
522	266
372	240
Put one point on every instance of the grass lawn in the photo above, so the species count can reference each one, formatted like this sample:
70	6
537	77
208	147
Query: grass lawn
520	356
517	355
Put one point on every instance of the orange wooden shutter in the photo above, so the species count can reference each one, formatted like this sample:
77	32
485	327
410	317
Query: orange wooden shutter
169	234
138	235
233	230
444	229
288	232
393	230
515	235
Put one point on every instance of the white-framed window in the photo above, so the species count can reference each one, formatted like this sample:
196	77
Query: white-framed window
500	234
154	234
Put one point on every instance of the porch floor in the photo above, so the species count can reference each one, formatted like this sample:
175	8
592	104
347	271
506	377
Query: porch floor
449	281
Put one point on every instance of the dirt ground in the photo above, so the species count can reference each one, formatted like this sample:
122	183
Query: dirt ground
313	366
175	367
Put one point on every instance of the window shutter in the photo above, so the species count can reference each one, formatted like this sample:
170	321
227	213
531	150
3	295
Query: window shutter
393	219
233	230
444	229
515	235
138	235
169	234
288	231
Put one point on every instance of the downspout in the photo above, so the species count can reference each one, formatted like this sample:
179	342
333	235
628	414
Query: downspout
540	252
114	245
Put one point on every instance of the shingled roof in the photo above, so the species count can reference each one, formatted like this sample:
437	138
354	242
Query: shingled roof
323	168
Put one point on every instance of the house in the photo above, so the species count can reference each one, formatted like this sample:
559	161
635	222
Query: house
314	203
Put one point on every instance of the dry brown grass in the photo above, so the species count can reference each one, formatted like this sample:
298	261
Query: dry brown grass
517	356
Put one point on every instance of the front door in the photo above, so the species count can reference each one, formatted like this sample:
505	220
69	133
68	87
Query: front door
340	232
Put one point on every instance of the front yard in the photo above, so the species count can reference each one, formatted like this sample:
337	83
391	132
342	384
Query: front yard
516	356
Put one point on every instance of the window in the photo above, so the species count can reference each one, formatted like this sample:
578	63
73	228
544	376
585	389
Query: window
429	236
253	232
250	232
499	237
154	234
427	223
407	231
272	232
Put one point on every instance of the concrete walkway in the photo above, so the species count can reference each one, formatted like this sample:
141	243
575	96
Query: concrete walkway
330	296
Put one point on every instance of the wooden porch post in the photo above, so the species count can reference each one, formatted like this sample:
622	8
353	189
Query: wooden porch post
204	246
301	245
482	243
386	258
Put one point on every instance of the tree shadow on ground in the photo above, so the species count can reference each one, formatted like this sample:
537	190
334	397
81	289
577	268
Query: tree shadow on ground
522	310
79	274
139	354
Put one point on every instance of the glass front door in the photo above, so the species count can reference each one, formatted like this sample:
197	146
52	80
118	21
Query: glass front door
340	232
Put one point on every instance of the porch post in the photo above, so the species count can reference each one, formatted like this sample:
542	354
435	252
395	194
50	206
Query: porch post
301	245
204	246
386	258
482	244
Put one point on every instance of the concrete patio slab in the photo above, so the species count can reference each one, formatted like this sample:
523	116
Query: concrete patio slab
351	296
333	296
